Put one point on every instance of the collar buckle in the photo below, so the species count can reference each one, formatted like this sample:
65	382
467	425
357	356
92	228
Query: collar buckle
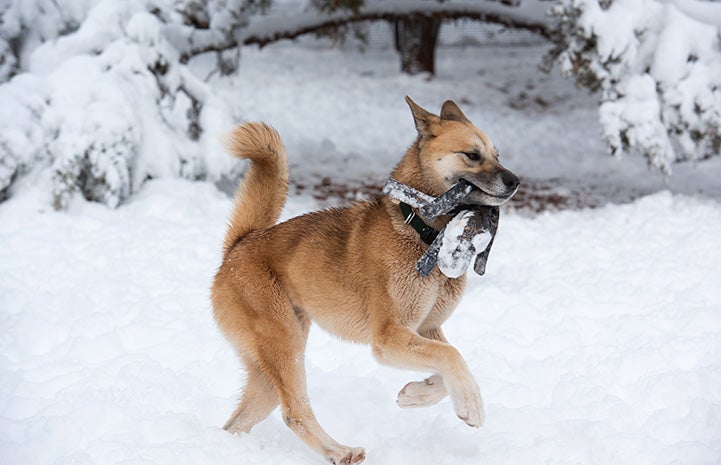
426	233
410	217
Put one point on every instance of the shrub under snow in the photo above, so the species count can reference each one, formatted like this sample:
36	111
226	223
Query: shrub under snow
100	92
658	67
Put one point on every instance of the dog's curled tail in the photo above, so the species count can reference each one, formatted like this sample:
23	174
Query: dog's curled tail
260	197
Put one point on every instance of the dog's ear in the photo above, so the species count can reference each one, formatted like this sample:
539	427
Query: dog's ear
451	112
424	119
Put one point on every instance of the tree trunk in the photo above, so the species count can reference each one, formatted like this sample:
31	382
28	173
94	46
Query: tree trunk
416	38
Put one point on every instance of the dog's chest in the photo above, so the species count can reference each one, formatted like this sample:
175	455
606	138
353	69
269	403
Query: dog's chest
450	292
428	300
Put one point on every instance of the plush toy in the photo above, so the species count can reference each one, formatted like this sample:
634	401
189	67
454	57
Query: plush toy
467	235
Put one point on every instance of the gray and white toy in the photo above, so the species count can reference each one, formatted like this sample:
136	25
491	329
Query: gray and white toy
469	234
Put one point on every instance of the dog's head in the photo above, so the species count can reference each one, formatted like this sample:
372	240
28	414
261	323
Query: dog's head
452	148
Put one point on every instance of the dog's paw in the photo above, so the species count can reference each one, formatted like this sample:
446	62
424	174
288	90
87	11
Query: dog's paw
469	407
349	456
235	427
422	393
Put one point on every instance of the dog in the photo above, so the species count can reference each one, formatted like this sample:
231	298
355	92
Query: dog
351	270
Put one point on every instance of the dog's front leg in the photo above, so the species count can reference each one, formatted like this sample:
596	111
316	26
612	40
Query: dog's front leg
431	390
402	347
424	393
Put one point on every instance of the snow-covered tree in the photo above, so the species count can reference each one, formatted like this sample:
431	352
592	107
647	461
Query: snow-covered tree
100	91
657	65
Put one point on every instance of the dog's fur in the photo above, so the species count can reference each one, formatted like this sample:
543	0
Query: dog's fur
352	271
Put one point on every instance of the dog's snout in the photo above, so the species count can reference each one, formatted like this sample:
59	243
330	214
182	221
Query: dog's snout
510	180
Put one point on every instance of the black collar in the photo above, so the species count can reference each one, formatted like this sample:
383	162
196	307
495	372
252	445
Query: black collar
428	234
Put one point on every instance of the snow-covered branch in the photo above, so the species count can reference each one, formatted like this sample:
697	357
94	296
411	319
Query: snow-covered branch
530	15
108	104
657	65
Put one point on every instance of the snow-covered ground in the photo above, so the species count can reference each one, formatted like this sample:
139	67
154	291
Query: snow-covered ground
595	334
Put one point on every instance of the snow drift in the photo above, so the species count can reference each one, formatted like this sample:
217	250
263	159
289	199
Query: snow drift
595	337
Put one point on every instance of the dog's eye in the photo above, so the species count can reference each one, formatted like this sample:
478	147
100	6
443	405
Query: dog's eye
473	156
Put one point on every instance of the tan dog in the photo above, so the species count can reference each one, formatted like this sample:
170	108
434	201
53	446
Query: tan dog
351	270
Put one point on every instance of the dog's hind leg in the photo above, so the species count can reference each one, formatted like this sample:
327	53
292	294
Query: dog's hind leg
278	346
429	391
300	418
258	400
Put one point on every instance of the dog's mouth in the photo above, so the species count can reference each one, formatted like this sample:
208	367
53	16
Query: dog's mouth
499	197
481	196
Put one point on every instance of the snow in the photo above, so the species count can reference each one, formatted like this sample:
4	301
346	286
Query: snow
705	12
595	334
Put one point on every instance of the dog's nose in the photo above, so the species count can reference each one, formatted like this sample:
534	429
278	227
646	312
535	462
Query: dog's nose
510	180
